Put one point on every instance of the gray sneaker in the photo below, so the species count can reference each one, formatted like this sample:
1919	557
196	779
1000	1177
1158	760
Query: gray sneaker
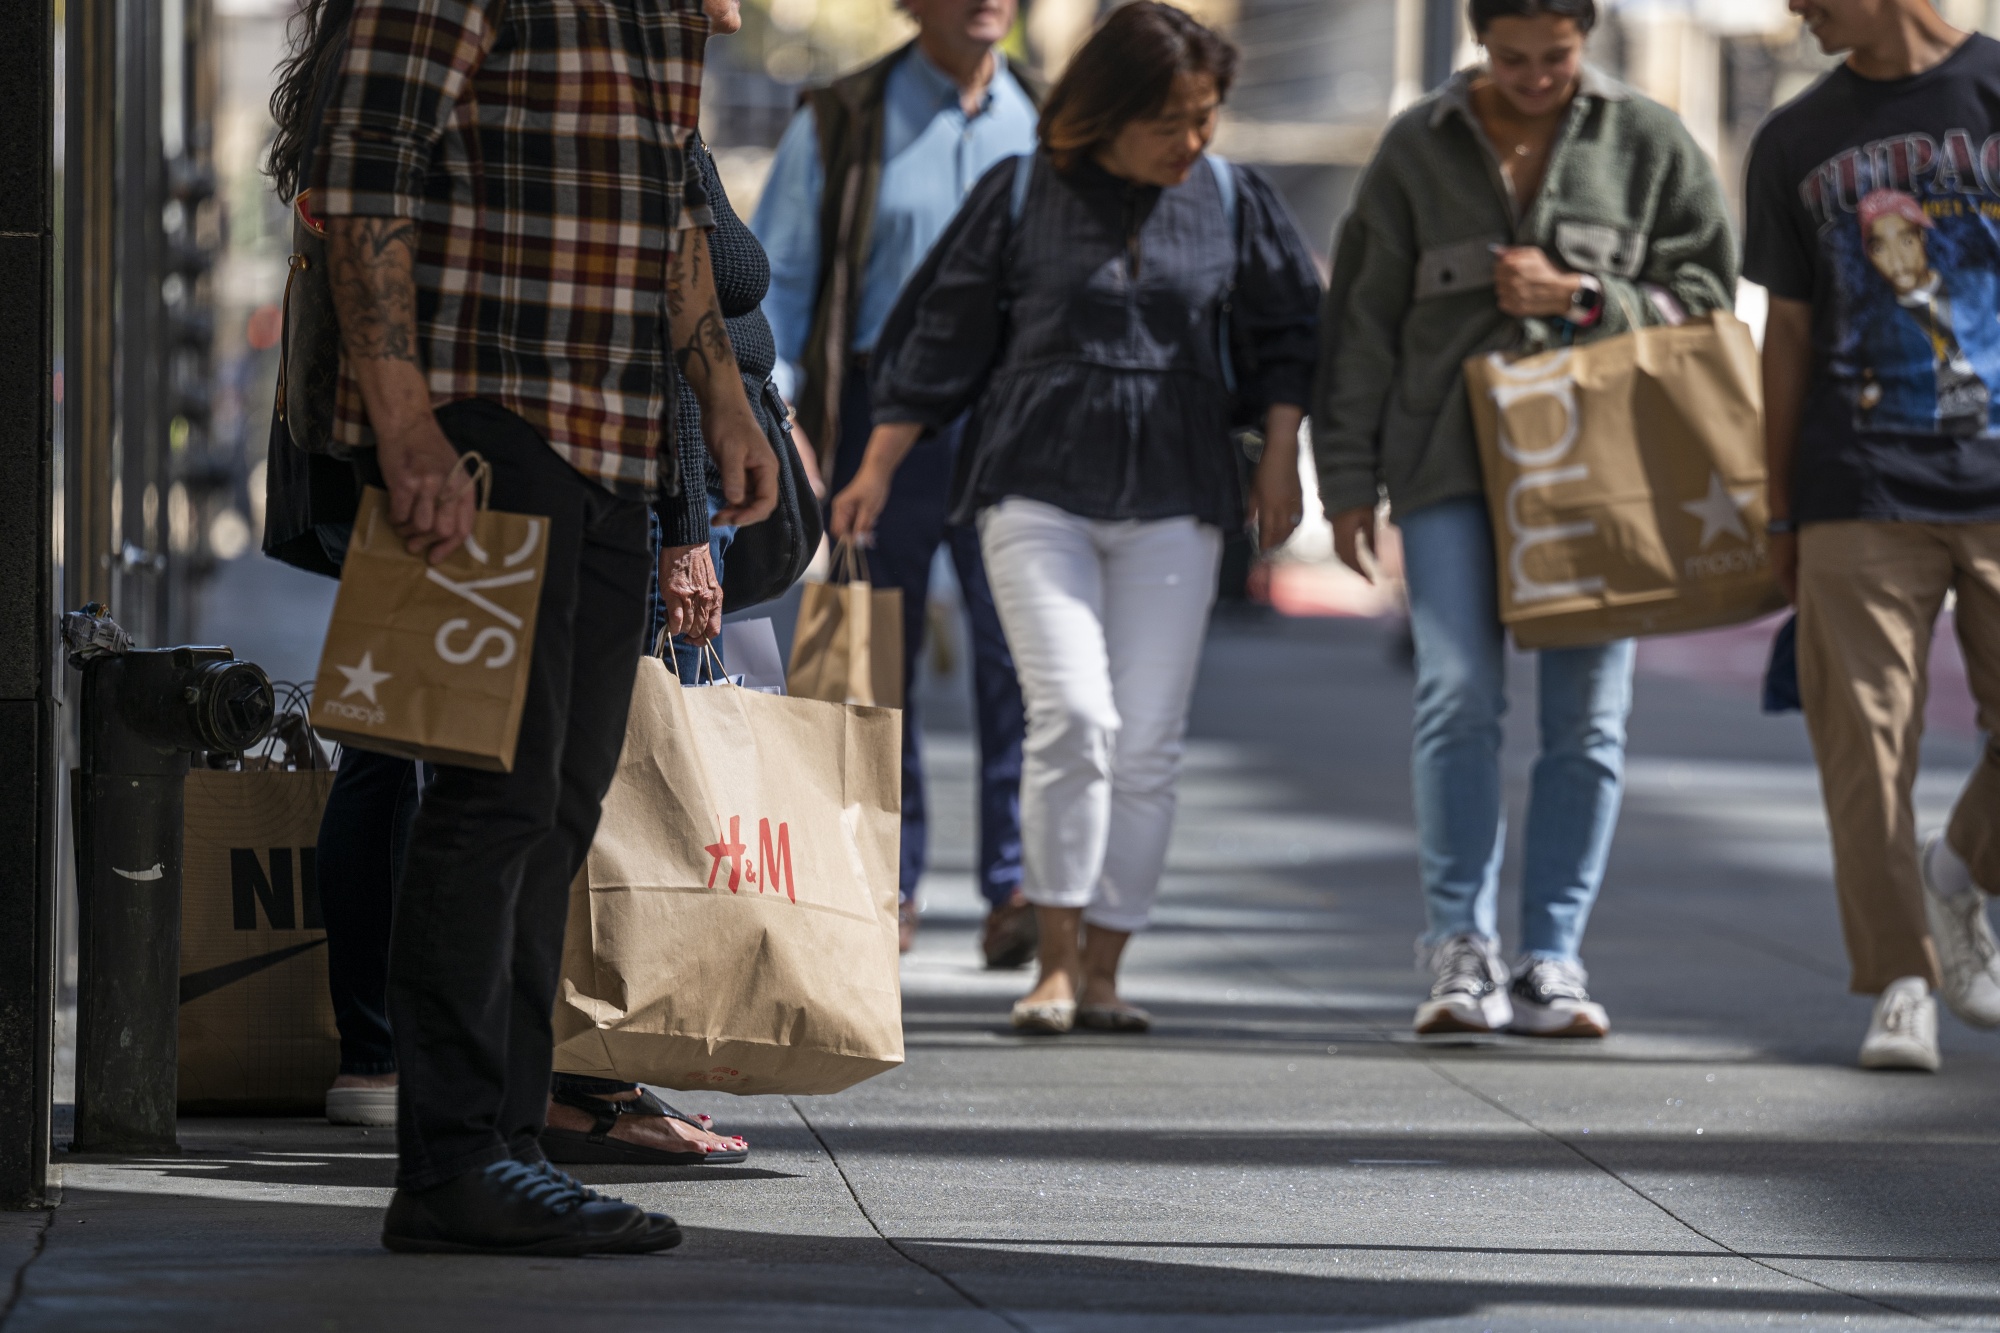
1966	948
1469	993
1903	1033
1550	1001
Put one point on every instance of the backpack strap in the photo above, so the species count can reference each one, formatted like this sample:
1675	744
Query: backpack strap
1225	185
1024	175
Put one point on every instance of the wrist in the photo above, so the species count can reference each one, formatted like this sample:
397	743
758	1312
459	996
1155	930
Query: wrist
1586	300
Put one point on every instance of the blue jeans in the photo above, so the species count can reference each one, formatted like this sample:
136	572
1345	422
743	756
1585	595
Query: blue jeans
1585	696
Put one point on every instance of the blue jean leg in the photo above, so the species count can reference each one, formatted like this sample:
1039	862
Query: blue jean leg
1460	699
1002	719
1584	694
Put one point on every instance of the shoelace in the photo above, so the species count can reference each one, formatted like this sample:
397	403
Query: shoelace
1901	1013
1552	981
1462	966
540	1186
1971	914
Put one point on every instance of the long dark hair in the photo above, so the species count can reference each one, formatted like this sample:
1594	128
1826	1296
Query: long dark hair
1126	72
318	34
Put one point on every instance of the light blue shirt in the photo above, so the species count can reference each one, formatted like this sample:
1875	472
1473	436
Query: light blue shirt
932	156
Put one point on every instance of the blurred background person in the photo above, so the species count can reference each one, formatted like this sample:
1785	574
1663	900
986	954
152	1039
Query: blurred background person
1529	203
1077	306
919	128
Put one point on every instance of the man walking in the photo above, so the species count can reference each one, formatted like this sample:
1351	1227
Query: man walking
512	257
866	177
1873	211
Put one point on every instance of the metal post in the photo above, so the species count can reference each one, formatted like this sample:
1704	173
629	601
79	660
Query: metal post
27	620
143	714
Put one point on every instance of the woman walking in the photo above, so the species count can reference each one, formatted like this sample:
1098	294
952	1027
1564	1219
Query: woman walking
1084	304
1529	203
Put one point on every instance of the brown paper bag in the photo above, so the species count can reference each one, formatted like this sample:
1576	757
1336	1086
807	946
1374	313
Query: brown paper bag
735	925
848	644
256	1024
431	661
1626	483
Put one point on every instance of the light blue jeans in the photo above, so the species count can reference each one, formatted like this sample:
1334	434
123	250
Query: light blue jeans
1585	696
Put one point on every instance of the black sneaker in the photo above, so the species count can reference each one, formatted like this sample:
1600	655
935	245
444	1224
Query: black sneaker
511	1208
661	1233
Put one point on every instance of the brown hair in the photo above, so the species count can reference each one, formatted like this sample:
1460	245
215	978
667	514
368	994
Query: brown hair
1126	72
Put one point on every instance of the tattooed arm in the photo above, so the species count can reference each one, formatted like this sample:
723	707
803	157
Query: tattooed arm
700	342
370	261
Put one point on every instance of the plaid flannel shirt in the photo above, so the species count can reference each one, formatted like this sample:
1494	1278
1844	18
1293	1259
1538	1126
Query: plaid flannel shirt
542	161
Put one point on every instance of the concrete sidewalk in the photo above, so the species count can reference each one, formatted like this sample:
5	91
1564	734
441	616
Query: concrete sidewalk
1279	1155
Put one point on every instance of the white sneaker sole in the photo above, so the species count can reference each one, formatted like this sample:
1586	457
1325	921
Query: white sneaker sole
1900	1055
1569	1019
370	1107
1463	1013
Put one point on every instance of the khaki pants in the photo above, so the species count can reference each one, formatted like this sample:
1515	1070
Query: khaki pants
1869	595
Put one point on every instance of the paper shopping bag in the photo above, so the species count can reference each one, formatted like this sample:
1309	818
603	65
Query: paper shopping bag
735	924
847	647
256	1023
431	661
1626	483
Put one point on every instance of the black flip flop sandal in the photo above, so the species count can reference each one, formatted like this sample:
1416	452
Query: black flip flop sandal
596	1146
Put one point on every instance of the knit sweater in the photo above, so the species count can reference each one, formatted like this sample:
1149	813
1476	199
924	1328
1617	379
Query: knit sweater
1628	197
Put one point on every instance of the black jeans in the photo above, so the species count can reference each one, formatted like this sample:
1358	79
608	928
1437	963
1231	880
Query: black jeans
477	949
362	839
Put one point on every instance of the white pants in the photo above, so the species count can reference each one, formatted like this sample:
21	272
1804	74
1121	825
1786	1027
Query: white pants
1105	621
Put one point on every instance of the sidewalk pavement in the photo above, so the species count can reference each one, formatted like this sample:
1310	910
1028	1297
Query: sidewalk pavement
1279	1155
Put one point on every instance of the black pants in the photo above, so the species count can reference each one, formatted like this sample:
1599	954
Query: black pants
362	841
477	949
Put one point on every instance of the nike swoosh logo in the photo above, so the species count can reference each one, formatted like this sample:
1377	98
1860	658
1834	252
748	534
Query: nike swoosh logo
197	984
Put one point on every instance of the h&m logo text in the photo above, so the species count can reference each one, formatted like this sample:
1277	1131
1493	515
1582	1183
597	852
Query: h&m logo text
774	857
250	887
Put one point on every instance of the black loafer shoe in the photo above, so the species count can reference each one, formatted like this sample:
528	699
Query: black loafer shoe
511	1208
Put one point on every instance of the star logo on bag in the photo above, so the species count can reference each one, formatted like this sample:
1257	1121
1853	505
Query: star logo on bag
363	679
1721	510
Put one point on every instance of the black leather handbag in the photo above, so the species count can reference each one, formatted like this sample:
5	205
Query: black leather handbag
767	558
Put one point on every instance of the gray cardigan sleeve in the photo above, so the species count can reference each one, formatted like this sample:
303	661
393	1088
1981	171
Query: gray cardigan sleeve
1361	319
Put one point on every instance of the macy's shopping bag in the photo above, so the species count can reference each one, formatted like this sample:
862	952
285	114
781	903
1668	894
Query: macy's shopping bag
1626	483
431	661
256	1022
735	924
847	647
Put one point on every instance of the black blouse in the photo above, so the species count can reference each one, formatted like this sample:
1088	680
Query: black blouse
742	276
1084	339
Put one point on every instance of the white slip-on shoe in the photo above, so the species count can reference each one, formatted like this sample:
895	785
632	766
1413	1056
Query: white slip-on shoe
1968	955
1903	1033
1550	1001
371	1107
1469	990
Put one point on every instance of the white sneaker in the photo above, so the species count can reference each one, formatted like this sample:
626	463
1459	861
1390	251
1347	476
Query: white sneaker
1903	1033
1968	955
1470	990
1550	1001
361	1106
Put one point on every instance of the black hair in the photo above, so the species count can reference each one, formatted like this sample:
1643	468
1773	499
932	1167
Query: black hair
318	41
1581	12
1126	72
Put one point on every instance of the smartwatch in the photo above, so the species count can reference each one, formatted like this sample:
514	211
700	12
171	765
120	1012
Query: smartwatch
1586	301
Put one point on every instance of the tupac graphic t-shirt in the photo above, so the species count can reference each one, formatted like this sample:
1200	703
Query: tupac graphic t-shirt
1879	202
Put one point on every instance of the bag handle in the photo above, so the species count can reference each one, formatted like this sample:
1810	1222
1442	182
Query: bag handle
478	474
848	565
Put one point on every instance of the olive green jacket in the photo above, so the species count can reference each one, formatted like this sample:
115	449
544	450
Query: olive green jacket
1628	197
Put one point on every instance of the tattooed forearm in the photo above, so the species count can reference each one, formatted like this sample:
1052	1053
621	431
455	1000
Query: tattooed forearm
370	265
699	337
684	275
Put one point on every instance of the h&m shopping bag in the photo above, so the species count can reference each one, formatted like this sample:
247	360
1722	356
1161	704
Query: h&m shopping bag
431	661
1626	483
735	924
257	1034
848	645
